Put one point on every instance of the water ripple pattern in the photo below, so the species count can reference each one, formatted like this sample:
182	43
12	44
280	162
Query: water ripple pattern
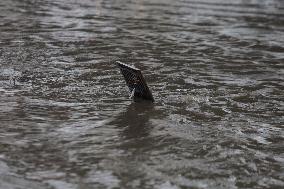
216	70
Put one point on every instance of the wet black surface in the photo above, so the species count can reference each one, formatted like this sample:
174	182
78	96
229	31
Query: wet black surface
215	69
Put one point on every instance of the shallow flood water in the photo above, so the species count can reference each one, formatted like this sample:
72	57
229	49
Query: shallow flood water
215	69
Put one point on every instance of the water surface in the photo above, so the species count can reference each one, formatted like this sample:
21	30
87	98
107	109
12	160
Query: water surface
215	69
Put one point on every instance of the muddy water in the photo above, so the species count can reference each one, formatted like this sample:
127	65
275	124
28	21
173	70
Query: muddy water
215	69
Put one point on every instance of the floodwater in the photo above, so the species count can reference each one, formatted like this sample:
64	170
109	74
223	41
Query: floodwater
215	68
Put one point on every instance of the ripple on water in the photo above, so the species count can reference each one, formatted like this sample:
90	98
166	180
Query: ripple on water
215	69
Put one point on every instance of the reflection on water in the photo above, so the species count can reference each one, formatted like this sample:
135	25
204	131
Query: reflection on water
135	120
215	68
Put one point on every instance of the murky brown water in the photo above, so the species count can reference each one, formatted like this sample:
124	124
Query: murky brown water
215	68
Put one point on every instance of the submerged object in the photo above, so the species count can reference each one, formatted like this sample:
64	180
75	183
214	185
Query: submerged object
135	82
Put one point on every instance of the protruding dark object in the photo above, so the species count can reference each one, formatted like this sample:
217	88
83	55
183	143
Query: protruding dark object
135	82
